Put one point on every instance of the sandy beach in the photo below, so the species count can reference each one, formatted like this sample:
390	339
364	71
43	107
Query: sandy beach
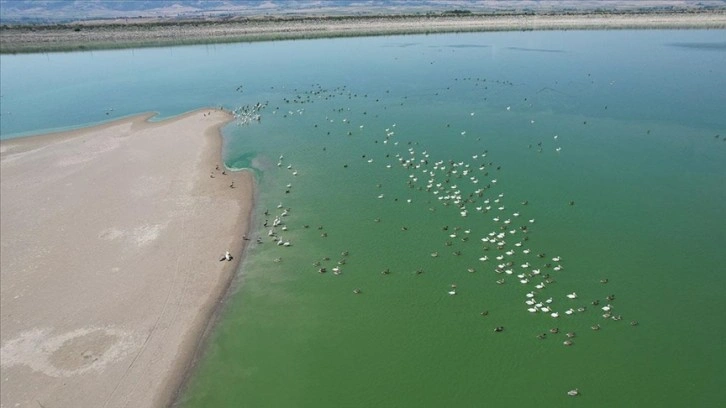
110	258
162	32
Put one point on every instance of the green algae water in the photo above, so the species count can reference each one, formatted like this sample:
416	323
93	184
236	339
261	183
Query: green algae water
449	220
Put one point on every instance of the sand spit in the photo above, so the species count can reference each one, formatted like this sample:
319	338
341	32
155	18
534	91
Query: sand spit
140	33
110	258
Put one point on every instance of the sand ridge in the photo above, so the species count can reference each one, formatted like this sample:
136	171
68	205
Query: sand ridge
110	244
164	32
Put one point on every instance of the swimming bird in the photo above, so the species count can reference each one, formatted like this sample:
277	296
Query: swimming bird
573	393
572	295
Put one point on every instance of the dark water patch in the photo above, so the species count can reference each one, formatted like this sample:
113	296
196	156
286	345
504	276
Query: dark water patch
713	46
534	49
461	46
401	45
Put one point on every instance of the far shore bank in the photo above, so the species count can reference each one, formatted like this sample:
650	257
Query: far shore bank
110	266
156	33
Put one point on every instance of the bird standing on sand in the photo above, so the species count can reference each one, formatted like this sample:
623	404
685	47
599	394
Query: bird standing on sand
227	257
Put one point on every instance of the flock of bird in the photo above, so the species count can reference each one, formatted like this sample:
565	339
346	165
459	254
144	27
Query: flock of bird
493	228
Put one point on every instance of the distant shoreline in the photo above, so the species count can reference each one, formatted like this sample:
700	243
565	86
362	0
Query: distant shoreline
134	33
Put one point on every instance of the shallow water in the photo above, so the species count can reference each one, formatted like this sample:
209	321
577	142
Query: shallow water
642	159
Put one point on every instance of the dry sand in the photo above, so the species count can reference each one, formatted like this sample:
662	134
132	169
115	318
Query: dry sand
109	266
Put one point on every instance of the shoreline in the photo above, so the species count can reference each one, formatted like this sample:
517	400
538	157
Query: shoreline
213	309
142	318
160	33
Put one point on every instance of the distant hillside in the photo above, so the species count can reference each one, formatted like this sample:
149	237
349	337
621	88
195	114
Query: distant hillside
57	11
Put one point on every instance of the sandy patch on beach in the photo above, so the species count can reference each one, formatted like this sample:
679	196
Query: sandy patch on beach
109	255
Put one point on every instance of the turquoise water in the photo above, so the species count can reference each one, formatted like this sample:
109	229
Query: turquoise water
635	195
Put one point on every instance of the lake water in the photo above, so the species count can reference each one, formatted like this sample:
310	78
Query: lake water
592	163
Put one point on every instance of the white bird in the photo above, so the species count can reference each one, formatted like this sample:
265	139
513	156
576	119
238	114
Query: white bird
452	292
569	311
572	295
556	259
555	314
607	308
532	310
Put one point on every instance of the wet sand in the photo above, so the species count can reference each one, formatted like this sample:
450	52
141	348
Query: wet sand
110	258
163	32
